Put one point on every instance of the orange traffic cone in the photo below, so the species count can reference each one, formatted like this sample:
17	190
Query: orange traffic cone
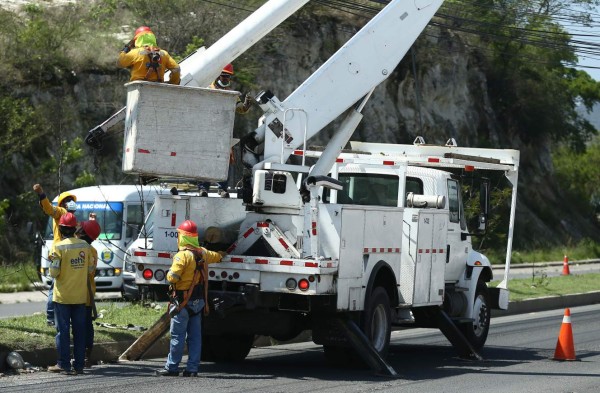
565	349
566	270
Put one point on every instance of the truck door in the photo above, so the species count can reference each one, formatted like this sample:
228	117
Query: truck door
458	249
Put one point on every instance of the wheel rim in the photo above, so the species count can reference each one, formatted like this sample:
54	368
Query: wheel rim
378	328
480	314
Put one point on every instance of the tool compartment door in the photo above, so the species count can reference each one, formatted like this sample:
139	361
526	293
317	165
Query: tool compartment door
169	212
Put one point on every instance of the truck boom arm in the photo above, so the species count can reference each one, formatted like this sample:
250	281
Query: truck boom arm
365	61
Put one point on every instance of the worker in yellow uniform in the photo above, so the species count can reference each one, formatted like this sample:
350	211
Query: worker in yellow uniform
71	262
223	82
189	280
146	61
67	202
89	231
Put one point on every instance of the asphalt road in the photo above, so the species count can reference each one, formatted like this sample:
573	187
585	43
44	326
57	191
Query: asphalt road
517	358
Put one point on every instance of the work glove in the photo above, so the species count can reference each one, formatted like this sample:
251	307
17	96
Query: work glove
38	189
126	49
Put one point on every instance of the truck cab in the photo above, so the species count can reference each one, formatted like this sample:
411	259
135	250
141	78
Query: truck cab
120	210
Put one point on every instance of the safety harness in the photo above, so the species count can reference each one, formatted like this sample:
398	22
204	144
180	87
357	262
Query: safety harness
202	272
154	62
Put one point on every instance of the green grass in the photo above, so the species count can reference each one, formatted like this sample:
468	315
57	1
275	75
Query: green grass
31	332
17	278
586	249
526	288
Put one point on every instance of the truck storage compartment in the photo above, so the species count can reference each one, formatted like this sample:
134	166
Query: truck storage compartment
178	131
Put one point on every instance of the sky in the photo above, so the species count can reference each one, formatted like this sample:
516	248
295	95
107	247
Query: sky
589	62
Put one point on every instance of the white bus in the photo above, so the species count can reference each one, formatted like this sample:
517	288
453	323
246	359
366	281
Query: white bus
120	211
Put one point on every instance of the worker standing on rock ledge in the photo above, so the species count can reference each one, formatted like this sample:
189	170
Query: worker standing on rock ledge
188	276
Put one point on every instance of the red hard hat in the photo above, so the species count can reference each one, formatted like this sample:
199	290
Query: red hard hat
141	30
228	69
188	226
91	229
68	220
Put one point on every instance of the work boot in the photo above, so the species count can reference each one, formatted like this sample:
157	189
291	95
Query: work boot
55	369
187	373
166	373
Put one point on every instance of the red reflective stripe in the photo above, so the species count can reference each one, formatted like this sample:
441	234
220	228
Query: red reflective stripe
127	150
164	255
441	250
298	152
262	261
262	224
314	227
311	264
235	259
469	168
373	249
144	151
366	250
389	163
173	219
283	243
173	154
339	160
434	251
397	250
286	263
431	159
420	251
248	232
390	250
382	249
139	253
427	251
231	248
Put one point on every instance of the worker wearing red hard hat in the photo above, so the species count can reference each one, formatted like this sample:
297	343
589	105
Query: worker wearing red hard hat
188	276
146	61
71	262
67	202
223	82
89	231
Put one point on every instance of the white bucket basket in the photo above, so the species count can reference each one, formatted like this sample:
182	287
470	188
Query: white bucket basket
178	131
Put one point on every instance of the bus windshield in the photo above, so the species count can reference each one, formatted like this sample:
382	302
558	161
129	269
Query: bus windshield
108	214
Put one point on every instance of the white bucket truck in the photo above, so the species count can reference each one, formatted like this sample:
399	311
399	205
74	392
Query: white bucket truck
376	237
120	211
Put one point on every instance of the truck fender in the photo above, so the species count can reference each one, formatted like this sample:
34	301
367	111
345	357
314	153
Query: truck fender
383	275
478	267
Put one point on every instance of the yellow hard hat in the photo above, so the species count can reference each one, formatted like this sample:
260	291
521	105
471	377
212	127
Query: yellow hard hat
64	196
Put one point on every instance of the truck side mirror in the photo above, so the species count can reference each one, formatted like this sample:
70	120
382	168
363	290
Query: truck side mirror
484	204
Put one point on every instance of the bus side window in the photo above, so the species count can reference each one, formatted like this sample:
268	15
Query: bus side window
135	219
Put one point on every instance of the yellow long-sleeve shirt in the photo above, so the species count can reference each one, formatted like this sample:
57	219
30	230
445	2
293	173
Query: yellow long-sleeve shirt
182	270
56	212
71	263
136	60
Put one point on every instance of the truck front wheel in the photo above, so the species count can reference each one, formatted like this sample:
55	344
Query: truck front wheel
477	331
376	321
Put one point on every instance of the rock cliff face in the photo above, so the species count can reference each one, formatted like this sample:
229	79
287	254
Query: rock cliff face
448	98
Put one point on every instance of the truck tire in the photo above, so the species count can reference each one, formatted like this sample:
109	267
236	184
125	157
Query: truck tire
477	331
376	321
226	348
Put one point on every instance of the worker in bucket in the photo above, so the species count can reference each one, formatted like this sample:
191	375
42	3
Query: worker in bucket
71	262
146	61
67	202
188	276
89	231
223	82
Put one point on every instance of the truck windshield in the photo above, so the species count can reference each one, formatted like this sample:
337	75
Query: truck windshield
108	214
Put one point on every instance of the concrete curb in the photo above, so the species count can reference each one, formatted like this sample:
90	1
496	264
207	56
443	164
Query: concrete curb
110	352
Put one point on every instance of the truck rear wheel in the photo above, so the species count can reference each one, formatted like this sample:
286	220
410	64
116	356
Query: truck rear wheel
477	331
226	348
376	321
